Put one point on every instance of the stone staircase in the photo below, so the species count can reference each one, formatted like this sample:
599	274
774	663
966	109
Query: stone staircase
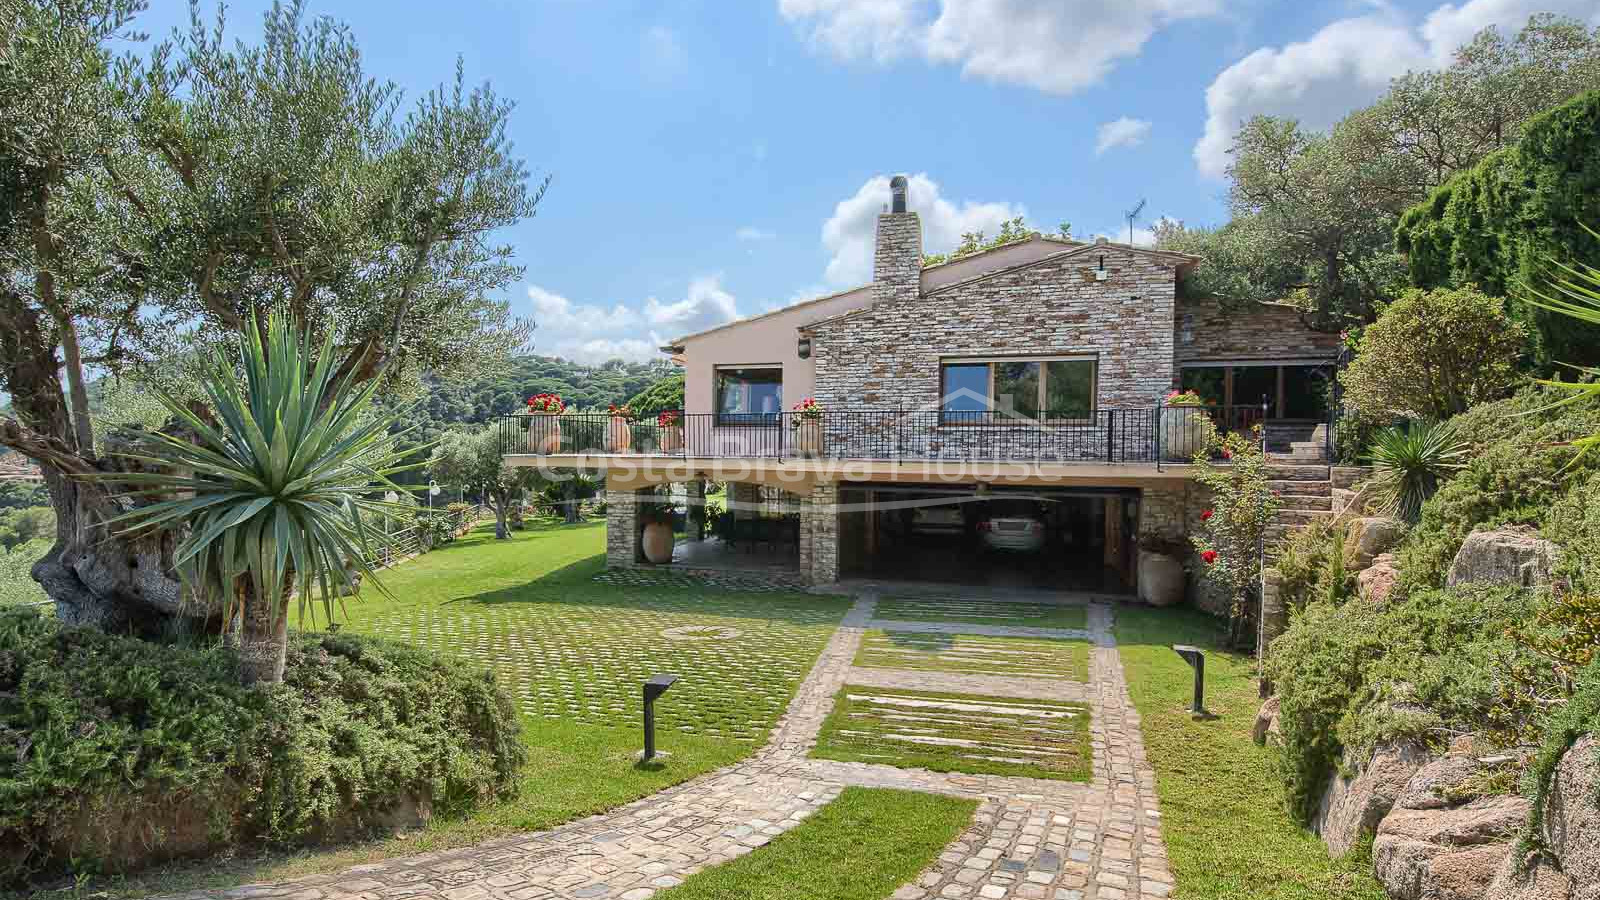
1307	492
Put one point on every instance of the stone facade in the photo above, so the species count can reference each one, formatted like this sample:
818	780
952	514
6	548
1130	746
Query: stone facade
1203	331
622	529
889	355
819	534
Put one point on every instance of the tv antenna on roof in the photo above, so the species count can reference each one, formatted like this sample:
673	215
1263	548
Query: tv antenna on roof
1131	215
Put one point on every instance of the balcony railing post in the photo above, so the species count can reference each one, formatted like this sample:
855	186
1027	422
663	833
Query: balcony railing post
1111	435
1161	417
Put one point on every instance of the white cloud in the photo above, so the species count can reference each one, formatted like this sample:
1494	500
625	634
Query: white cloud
1142	237
1123	132
1347	65
706	305
850	232
594	351
752	233
556	313
1045	44
661	54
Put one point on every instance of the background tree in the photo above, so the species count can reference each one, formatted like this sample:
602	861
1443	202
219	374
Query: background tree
1012	231
189	191
1432	354
474	460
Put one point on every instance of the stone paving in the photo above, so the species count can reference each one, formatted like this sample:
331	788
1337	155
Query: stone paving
1030	838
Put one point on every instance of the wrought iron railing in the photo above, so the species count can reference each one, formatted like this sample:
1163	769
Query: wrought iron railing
1135	435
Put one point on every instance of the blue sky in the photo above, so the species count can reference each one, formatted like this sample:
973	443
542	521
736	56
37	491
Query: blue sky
718	158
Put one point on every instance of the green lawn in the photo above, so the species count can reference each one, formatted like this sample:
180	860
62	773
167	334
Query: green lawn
1227	834
861	846
982	612
975	654
569	649
573	651
958	733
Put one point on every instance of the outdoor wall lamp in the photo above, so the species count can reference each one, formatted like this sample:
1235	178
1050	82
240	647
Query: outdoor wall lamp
1196	658
804	348
654	686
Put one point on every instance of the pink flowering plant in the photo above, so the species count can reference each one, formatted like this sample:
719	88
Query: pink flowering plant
1184	398
807	410
1230	531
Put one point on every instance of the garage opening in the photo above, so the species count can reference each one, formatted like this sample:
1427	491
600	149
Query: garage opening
1054	539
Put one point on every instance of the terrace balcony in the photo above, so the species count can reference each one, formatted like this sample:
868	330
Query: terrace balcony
1127	445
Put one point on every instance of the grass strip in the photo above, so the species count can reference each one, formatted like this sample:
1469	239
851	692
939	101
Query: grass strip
1228	835
862	846
982	612
970	654
958	733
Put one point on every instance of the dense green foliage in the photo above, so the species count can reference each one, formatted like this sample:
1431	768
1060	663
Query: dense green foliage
1353	675
666	393
1501	223
1431	355
111	736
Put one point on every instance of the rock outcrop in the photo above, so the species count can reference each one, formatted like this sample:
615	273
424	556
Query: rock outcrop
1512	555
1366	538
1377	580
1266	726
1352	807
1536	881
1449	853
1572	818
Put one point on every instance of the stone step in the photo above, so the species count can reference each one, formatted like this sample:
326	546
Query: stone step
1308	452
1292	472
1275	534
1300	516
1301	488
1306	501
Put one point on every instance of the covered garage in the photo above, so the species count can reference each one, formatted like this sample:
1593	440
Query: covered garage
1073	539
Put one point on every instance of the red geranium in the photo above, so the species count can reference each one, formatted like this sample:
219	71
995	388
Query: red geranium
545	403
668	418
1206	515
1210	556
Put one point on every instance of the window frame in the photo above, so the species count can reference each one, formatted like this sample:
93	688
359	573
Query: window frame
1044	390
747	419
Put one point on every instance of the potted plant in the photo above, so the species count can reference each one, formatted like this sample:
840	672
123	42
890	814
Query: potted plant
620	433
807	425
544	423
657	538
670	423
1186	428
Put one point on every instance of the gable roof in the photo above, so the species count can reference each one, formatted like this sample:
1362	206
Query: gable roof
676	344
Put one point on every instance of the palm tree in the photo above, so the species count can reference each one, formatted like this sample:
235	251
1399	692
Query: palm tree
272	490
1573	290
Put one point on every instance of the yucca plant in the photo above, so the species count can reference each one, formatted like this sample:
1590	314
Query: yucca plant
272	496
1408	463
1574	290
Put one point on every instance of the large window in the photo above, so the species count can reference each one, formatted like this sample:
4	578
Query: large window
749	396
1291	390
980	391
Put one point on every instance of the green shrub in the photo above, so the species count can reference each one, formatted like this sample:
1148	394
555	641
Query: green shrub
1307	558
1579	716
103	738
1354	675
1573	522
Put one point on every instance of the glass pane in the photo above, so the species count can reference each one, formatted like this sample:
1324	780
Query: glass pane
1305	392
1207	382
749	396
1069	388
1016	388
1251	383
966	391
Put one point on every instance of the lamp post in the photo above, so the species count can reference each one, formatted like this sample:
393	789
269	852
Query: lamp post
1196	658
654	687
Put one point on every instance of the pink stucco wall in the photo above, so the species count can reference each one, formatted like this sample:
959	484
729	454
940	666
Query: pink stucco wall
765	341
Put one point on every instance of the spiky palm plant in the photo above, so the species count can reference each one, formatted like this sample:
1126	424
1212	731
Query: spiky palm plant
1574	290
272	491
1408	464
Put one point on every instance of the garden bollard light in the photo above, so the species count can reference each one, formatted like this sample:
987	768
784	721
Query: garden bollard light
1196	658
654	687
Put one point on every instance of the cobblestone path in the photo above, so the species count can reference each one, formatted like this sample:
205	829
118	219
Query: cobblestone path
1030	838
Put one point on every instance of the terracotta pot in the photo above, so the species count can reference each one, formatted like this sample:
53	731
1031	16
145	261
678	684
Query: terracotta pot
657	543
1185	430
808	437
620	434
544	433
671	438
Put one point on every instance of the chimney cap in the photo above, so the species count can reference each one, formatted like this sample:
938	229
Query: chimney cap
897	191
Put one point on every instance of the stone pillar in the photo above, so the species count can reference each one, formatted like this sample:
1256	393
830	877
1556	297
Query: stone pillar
1163	513
622	529
819	534
695	493
1274	615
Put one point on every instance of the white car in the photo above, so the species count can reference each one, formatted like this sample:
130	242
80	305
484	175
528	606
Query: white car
1012	529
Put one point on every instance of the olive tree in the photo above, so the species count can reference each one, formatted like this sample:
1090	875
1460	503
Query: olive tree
475	460
150	204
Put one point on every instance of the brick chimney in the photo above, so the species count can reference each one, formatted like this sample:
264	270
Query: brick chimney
897	256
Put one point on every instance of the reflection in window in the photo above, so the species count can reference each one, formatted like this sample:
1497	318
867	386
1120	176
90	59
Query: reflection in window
1007	389
749	396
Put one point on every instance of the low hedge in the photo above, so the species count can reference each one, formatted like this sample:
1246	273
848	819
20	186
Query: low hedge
117	752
